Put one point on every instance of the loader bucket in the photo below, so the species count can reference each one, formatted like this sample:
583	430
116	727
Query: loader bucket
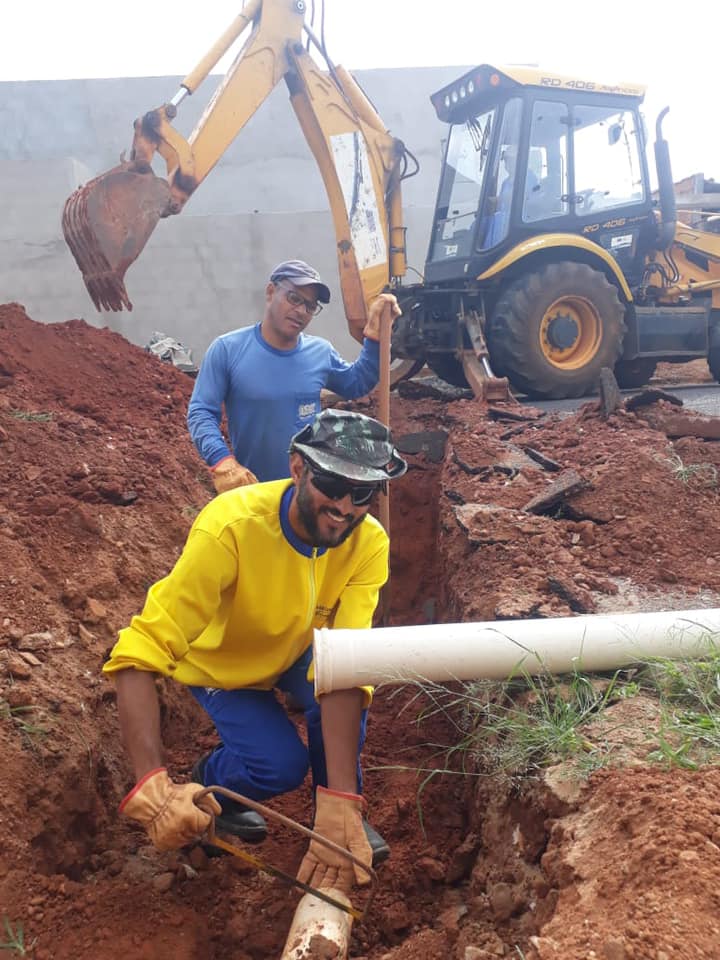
106	225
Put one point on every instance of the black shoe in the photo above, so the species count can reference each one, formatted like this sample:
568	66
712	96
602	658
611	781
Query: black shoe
236	819
242	822
379	846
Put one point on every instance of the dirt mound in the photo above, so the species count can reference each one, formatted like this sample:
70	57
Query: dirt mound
496	518
91	426
632	527
695	371
644	849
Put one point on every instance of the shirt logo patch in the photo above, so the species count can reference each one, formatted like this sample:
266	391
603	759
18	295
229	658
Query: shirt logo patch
306	409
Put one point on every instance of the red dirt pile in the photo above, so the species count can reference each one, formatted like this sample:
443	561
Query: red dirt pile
632	532
99	486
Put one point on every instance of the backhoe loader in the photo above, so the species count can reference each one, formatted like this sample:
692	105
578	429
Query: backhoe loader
549	257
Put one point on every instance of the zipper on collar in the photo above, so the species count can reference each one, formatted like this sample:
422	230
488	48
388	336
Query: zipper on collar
313	588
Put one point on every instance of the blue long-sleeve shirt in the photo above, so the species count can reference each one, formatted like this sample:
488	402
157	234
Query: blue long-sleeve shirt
268	395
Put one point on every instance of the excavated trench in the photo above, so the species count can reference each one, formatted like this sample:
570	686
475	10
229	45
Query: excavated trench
100	484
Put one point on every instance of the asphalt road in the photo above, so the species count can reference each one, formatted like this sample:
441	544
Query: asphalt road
703	397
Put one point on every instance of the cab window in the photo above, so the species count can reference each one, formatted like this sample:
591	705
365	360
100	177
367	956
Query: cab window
546	190
466	162
495	217
608	171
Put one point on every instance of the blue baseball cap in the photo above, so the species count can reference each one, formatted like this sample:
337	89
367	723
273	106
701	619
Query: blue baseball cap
301	274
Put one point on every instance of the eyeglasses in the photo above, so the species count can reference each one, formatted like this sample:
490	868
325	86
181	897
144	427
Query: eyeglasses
310	306
335	488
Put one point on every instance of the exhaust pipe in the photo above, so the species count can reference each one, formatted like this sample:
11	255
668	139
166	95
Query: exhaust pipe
666	187
499	649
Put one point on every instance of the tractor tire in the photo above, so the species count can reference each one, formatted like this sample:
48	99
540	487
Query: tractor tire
448	368
714	350
554	329
402	369
634	373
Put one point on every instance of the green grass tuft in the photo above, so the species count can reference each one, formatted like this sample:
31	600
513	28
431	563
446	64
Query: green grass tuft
15	938
31	416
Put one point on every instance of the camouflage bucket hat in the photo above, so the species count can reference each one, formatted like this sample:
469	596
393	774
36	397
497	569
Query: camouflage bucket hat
350	445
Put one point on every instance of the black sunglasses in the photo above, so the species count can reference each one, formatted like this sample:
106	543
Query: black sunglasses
335	488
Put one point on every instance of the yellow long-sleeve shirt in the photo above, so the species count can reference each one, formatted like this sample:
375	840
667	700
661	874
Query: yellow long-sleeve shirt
241	603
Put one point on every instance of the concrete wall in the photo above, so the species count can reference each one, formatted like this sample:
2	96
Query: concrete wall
202	272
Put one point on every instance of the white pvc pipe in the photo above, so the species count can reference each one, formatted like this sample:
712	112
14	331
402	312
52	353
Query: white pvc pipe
319	929
496	650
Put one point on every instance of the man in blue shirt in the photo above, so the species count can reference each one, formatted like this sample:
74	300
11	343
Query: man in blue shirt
269	377
498	222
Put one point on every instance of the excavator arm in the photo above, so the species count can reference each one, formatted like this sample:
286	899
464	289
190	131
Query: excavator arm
108	221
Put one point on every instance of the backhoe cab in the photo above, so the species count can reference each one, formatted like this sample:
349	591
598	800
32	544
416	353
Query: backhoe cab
547	238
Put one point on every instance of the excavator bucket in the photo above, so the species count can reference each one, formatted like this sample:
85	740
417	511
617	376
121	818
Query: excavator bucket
106	225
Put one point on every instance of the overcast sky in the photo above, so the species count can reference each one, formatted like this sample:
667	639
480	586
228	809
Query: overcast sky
603	39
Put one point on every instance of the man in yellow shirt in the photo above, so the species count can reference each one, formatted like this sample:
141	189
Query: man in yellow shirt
263	566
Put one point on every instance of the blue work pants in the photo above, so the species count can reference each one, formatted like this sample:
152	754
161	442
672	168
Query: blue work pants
261	754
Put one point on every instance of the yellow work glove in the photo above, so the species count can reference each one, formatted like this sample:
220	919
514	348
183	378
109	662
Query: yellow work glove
167	811
338	817
383	307
229	474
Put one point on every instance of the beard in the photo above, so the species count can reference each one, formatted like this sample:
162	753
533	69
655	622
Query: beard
309	515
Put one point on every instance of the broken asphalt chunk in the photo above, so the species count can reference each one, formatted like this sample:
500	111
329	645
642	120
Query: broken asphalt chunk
652	395
610	396
430	442
567	483
434	388
545	462
509	464
526	415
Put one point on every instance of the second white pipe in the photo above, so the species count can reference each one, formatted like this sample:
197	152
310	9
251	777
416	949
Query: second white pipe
495	650
319	929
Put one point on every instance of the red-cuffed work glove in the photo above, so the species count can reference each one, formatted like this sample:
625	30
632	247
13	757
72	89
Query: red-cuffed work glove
385	306
167	811
229	474
338	817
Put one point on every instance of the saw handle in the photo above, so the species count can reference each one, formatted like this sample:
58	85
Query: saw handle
298	828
